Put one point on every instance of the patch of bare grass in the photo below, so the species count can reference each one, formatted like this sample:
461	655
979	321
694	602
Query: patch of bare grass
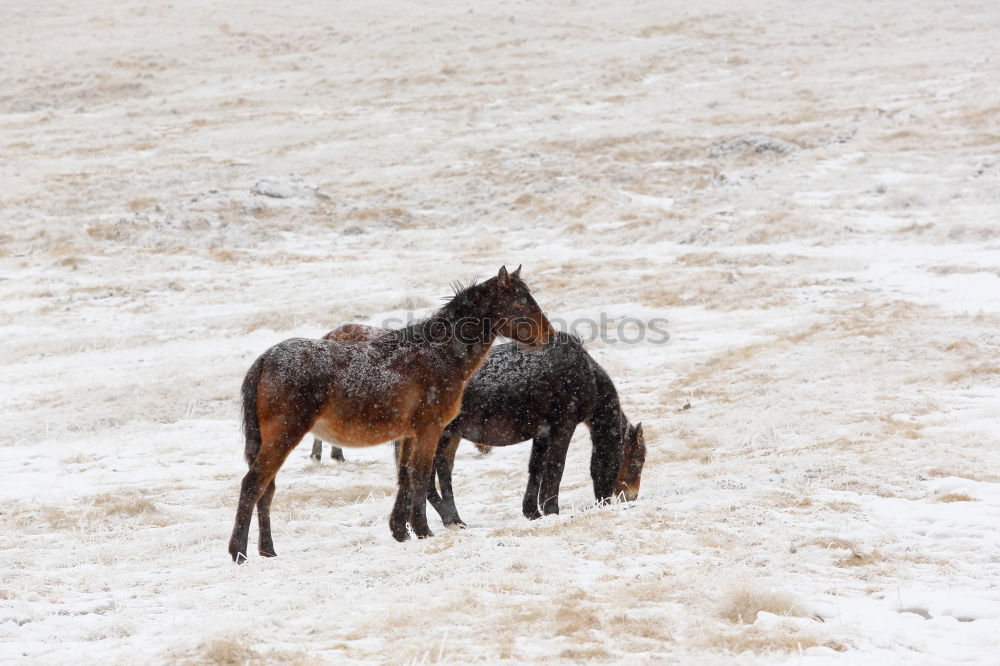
786	638
977	371
828	543
956	497
742	603
861	559
124	504
331	497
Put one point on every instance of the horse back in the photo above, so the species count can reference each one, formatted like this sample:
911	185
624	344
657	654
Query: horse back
517	391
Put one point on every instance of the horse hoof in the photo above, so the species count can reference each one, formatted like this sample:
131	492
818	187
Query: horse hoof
238	553
426	534
400	535
268	553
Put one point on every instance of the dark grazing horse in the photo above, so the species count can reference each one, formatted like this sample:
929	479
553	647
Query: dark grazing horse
405	385
539	395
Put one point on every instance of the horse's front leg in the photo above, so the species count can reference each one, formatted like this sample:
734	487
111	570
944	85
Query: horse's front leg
404	501
529	507
444	462
416	463
432	493
553	466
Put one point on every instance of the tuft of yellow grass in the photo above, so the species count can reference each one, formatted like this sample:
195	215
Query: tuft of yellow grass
124	504
331	497
976	371
859	559
758	640
828	542
956	497
228	652
742	603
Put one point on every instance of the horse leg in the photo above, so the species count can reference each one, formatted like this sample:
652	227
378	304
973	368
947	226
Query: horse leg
336	453
444	462
273	451
416	464
422	463
552	468
264	544
317	452
529	507
402	508
432	492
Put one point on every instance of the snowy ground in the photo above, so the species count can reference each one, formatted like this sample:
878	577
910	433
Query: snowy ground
809	194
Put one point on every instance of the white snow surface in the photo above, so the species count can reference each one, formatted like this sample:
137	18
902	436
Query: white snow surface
808	192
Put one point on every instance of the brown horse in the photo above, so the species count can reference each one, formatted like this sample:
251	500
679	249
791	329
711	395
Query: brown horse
406	385
541	396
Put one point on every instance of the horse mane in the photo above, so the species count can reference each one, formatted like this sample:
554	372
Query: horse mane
420	329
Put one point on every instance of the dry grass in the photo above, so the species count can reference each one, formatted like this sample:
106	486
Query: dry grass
227	652
836	543
582	654
237	651
859	559
978	371
330	497
106	511
972	473
577	618
742	603
764	640
124	504
950	269
956	497
392	216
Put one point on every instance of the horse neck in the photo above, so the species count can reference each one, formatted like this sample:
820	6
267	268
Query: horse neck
472	356
464	357
607	435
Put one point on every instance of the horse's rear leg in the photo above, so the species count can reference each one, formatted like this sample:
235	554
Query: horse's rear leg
444	462
336	453
265	546
262	472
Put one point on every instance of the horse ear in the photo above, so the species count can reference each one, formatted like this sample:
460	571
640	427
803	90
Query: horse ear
517	273
638	430
503	279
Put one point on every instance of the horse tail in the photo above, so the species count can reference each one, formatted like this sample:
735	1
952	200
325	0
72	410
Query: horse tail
250	421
